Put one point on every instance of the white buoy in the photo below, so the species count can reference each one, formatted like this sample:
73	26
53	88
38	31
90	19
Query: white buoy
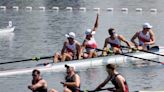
69	8
96	9
16	8
42	8
109	9
55	8
82	8
153	10
29	8
139	9
3	7
124	9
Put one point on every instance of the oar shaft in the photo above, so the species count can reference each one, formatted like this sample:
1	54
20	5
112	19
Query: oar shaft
46	57
141	58
15	61
151	52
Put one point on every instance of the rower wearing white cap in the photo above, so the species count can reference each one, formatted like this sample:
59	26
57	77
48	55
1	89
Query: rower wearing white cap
71	49
145	37
89	42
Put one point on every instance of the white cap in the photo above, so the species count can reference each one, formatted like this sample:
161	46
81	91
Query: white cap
89	31
71	35
147	25
72	66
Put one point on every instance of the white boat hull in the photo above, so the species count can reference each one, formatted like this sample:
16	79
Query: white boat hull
85	63
7	30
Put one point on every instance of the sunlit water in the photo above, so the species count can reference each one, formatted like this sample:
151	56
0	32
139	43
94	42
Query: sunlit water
41	33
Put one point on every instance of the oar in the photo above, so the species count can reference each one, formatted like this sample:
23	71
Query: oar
142	58
34	58
109	89
155	48
97	49
136	57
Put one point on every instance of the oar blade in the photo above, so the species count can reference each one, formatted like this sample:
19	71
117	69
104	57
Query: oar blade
154	49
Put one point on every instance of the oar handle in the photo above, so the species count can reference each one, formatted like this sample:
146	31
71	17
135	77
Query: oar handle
99	49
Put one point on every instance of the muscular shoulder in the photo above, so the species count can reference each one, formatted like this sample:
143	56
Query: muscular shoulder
77	43
106	39
77	76
151	32
120	78
43	81
137	34
120	36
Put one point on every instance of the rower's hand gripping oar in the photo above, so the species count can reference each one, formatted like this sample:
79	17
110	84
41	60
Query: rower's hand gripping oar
32	59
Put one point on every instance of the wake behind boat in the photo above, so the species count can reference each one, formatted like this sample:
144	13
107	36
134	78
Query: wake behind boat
8	29
88	63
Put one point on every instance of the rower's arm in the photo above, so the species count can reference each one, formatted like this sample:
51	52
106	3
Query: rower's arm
64	47
122	38
133	39
105	43
96	23
104	52
84	44
77	80
83	47
78	45
152	37
41	83
104	83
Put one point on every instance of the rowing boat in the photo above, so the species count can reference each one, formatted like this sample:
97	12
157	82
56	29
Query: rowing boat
86	63
8	29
